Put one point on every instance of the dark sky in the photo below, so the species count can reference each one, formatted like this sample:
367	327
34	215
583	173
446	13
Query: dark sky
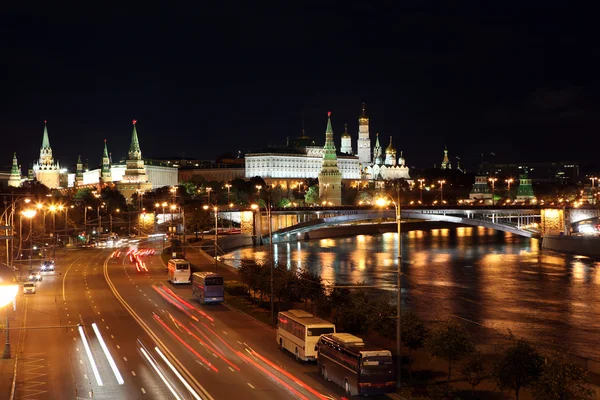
520	82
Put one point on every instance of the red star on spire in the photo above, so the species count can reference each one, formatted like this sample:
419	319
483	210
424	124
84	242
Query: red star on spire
134	121
104	141
329	113
45	121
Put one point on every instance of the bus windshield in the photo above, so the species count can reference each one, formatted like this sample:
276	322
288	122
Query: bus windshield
213	281
319	331
182	267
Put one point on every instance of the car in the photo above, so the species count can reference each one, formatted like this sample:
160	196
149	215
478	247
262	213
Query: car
34	277
29	288
47	265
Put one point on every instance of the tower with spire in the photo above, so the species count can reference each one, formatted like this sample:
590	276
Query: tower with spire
135	178
364	141
330	177
525	190
105	173
346	141
390	154
377	159
46	170
481	190
79	172
446	161
14	180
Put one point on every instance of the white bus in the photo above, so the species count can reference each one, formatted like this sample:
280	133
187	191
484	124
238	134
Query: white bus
299	331
179	271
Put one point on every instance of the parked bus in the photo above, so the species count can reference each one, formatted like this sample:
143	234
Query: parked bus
298	332
179	270
360	369
208	287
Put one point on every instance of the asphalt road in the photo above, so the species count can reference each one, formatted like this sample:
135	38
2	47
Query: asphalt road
210	352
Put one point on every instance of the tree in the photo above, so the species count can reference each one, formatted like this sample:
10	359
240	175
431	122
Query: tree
311	286
562	380
519	366
364	198
473	370
312	195
449	341
413	334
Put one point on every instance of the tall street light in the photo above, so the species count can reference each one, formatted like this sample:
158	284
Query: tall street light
254	207
29	214
9	288
508	182
493	180
421	183
442	191
216	210
382	203
593	178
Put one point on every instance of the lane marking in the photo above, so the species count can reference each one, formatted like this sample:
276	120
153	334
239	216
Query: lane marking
143	391
125	358
249	384
133	373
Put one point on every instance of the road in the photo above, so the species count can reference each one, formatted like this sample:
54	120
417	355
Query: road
215	352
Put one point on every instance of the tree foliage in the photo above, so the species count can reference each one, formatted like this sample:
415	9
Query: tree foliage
413	334
449	341
518	367
312	195
562	380
473	370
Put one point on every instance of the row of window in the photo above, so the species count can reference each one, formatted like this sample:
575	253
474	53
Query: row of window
339	354
292	327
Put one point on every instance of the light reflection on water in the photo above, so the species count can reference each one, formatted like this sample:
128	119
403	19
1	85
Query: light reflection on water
494	279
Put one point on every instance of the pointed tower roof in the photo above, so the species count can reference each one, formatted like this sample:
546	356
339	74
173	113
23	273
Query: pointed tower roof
135	153
345	134
15	170
45	140
390	149
79	159
377	140
329	128
105	154
363	114
329	154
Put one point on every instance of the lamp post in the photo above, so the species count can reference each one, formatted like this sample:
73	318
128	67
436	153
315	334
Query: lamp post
441	191
381	202
208	190
29	214
228	186
8	291
593	178
493	180
254	207
421	183
216	210
508	182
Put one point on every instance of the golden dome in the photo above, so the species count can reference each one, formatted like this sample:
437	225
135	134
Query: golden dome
346	134
390	149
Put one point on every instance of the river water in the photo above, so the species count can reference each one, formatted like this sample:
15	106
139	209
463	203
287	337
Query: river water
492	281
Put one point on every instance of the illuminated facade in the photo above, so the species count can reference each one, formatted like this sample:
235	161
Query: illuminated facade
14	180
46	170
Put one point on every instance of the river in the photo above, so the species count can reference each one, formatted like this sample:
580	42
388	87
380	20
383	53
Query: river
492	281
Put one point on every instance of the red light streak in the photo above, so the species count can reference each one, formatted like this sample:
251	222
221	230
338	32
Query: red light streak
290	376
271	375
207	339
166	297
204	360
219	337
203	343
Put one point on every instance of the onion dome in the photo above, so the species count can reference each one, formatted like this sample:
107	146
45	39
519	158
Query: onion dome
390	149
346	134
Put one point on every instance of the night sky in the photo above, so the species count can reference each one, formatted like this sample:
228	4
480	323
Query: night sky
521	83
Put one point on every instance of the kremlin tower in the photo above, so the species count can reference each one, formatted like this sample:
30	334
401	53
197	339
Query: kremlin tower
446	161
377	160
330	177
14	179
135	178
46	171
79	172
364	141
105	172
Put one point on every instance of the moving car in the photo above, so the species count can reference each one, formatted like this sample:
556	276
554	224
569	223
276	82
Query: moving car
47	265
35	277
29	288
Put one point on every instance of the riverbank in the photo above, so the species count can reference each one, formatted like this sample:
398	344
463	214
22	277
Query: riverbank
579	245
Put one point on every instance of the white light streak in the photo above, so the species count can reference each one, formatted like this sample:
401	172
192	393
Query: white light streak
187	385
90	357
160	374
111	361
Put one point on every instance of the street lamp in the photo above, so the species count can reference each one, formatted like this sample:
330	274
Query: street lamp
208	190
442	191
8	291
258	187
508	182
593	178
380	202
216	210
493	180
421	183
254	207
29	214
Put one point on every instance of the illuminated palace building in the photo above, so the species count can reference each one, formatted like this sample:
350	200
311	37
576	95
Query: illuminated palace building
304	159
129	176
